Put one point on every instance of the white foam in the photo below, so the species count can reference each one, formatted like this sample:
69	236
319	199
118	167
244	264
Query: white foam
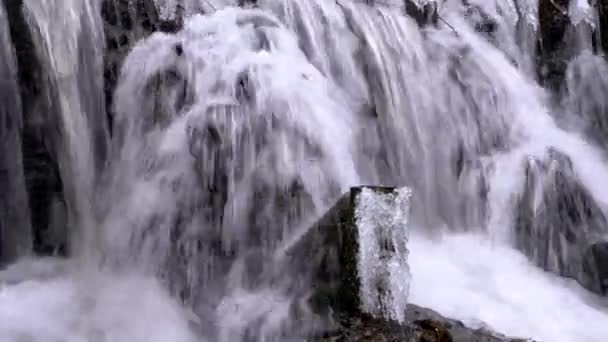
94	307
469	278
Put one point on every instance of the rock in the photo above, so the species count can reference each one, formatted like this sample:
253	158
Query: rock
15	226
554	23
482	21
425	14
431	326
595	267
39	164
430	330
125	22
557	218
603	23
421	325
587	85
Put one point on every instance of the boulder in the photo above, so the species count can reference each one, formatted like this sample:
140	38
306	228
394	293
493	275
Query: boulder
557	218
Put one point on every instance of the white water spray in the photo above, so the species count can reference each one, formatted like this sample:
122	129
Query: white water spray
234	133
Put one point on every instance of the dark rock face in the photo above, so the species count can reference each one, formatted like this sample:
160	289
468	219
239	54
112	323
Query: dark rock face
557	218
603	21
595	267
424	15
587	86
554	23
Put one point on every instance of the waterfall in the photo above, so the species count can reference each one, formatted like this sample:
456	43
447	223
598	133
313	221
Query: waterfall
70	51
14	211
189	159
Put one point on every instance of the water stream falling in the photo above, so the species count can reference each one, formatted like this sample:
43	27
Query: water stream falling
234	134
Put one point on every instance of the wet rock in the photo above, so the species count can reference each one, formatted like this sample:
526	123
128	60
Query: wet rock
425	14
603	23
125	22
246	3
482	21
430	330
429	325
587	85
421	325
554	23
557	218
39	163
595	267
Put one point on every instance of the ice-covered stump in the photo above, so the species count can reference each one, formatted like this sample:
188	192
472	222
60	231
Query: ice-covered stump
381	220
355	257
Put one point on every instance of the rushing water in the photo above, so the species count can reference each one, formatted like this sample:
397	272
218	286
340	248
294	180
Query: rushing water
234	134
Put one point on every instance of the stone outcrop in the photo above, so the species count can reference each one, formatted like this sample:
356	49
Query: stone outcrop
559	225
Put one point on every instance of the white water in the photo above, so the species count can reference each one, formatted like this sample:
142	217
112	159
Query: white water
52	304
432	92
470	278
382	223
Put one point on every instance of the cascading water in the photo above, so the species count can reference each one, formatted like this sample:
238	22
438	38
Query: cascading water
234	134
13	204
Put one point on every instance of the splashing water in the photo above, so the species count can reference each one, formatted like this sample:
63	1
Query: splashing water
51	305
237	132
470	278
